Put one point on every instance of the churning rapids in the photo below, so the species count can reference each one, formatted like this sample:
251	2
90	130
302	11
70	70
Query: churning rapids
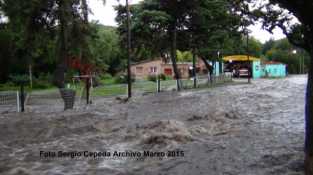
239	129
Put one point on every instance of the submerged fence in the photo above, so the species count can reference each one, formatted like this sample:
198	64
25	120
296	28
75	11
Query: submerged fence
51	100
9	101
144	87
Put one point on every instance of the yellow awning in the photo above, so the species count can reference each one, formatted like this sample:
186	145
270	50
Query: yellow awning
240	58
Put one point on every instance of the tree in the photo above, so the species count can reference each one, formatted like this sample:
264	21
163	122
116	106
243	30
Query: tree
105	49
151	16
148	28
162	27
210	26
283	51
268	45
29	36
64	23
300	35
185	56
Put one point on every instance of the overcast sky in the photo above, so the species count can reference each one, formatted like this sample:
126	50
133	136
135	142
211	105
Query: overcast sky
106	15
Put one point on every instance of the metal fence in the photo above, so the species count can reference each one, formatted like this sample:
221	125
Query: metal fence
143	86
51	100
9	101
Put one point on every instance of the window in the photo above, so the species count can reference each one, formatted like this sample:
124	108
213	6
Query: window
168	71
153	69
139	70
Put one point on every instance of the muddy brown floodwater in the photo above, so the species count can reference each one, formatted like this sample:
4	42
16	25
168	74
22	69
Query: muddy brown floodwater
246	129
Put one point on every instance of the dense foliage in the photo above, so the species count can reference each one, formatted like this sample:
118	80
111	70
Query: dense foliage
296	59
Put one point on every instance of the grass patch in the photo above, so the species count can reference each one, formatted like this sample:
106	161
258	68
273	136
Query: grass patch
147	86
111	90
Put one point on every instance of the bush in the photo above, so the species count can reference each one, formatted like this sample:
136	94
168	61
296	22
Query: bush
122	79
162	77
106	76
152	78
105	79
19	79
9	86
40	84
43	81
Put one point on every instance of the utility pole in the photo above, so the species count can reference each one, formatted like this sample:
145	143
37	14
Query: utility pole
30	76
129	81
300	63
248	55
219	62
194	68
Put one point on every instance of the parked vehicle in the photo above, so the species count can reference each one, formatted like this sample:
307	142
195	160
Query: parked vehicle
243	72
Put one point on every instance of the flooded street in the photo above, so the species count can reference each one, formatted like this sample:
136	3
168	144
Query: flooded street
246	129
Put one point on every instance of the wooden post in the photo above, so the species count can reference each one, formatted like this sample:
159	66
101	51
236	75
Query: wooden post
30	76
22	98
158	84
249	68
18	101
194	70
88	90
128	51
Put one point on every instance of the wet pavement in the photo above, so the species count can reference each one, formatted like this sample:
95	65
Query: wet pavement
248	129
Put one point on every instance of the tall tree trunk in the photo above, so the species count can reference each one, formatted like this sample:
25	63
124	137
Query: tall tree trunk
84	49
173	31
59	75
85	11
209	67
309	120
129	51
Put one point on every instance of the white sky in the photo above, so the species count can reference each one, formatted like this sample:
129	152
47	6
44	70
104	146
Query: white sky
106	15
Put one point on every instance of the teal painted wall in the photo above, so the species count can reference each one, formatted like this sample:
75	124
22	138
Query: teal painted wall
274	70
257	70
216	70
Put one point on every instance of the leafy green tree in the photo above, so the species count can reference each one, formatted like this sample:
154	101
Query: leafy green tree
283	51
210	25
106	51
299	34
161	27
39	28
268	45
148	30
185	56
28	35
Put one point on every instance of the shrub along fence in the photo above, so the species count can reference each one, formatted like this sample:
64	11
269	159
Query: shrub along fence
144	86
50	100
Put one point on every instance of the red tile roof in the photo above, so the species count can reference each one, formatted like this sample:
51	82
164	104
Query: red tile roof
272	62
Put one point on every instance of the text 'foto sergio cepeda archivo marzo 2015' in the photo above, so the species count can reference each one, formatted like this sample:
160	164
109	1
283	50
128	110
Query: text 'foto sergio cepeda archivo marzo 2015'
106	154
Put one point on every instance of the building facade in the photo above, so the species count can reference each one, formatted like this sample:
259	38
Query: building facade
273	69
144	69
258	68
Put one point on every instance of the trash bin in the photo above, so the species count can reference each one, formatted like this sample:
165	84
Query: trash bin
68	96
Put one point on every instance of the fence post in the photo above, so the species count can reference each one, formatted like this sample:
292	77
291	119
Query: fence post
158	84
127	89
22	98
18	101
